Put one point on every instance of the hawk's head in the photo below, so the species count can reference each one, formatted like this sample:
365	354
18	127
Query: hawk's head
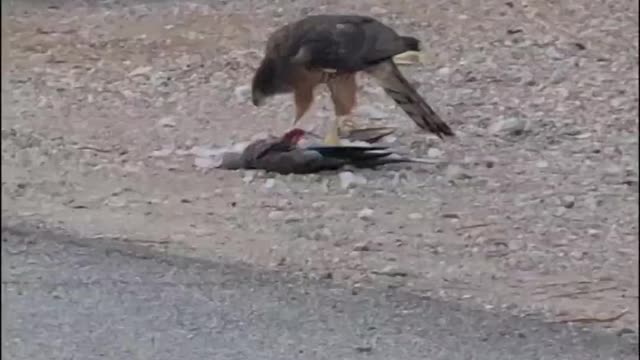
268	80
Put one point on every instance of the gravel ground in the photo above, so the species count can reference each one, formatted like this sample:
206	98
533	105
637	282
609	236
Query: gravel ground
109	111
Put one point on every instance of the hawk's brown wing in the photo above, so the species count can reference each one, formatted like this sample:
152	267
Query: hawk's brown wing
346	43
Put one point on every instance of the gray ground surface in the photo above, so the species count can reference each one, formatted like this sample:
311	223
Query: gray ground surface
109	108
70	298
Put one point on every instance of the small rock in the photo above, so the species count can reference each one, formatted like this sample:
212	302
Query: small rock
371	112
614	170
444	71
593	232
322	234
396	180
376	10
390	139
332	213
625	331
455	172
167	121
291	218
554	53
363	246
593	203
576	254
249	176
415	216
364	348
205	162
391	270
319	204
617	102
242	93
490	162
165	151
365	214
349	179
561	211
270	183
434	153
283	203
276	215
568	201
511	126
541	164
142	70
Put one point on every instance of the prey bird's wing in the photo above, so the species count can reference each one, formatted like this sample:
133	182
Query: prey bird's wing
352	153
255	151
299	161
274	155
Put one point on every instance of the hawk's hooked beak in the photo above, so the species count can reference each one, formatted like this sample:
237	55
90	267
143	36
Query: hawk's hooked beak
257	98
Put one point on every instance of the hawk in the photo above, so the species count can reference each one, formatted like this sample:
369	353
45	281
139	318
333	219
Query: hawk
285	155
331	50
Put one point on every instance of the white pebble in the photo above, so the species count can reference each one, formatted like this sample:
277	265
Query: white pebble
415	216
514	126
293	217
270	183
349	179
165	151
167	121
276	215
142	70
365	214
434	153
205	162
444	71
249	176
242	93
319	204
542	164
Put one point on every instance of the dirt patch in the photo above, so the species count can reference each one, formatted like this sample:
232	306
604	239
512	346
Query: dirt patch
536	211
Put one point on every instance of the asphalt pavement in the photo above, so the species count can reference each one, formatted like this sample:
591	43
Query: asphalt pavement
71	298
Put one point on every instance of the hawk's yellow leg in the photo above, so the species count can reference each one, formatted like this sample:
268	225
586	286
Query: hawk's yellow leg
333	133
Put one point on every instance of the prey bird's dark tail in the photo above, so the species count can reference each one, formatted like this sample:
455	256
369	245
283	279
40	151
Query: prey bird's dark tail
406	96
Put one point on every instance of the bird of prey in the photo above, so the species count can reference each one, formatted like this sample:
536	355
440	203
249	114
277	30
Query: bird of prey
332	49
285	155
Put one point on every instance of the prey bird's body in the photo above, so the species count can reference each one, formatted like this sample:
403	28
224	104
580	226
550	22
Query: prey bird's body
285	155
331	50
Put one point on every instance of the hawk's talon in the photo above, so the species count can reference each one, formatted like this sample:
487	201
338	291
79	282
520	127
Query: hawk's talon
347	125
332	139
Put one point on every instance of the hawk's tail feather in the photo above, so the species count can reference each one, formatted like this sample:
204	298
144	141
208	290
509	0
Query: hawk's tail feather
411	43
407	98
